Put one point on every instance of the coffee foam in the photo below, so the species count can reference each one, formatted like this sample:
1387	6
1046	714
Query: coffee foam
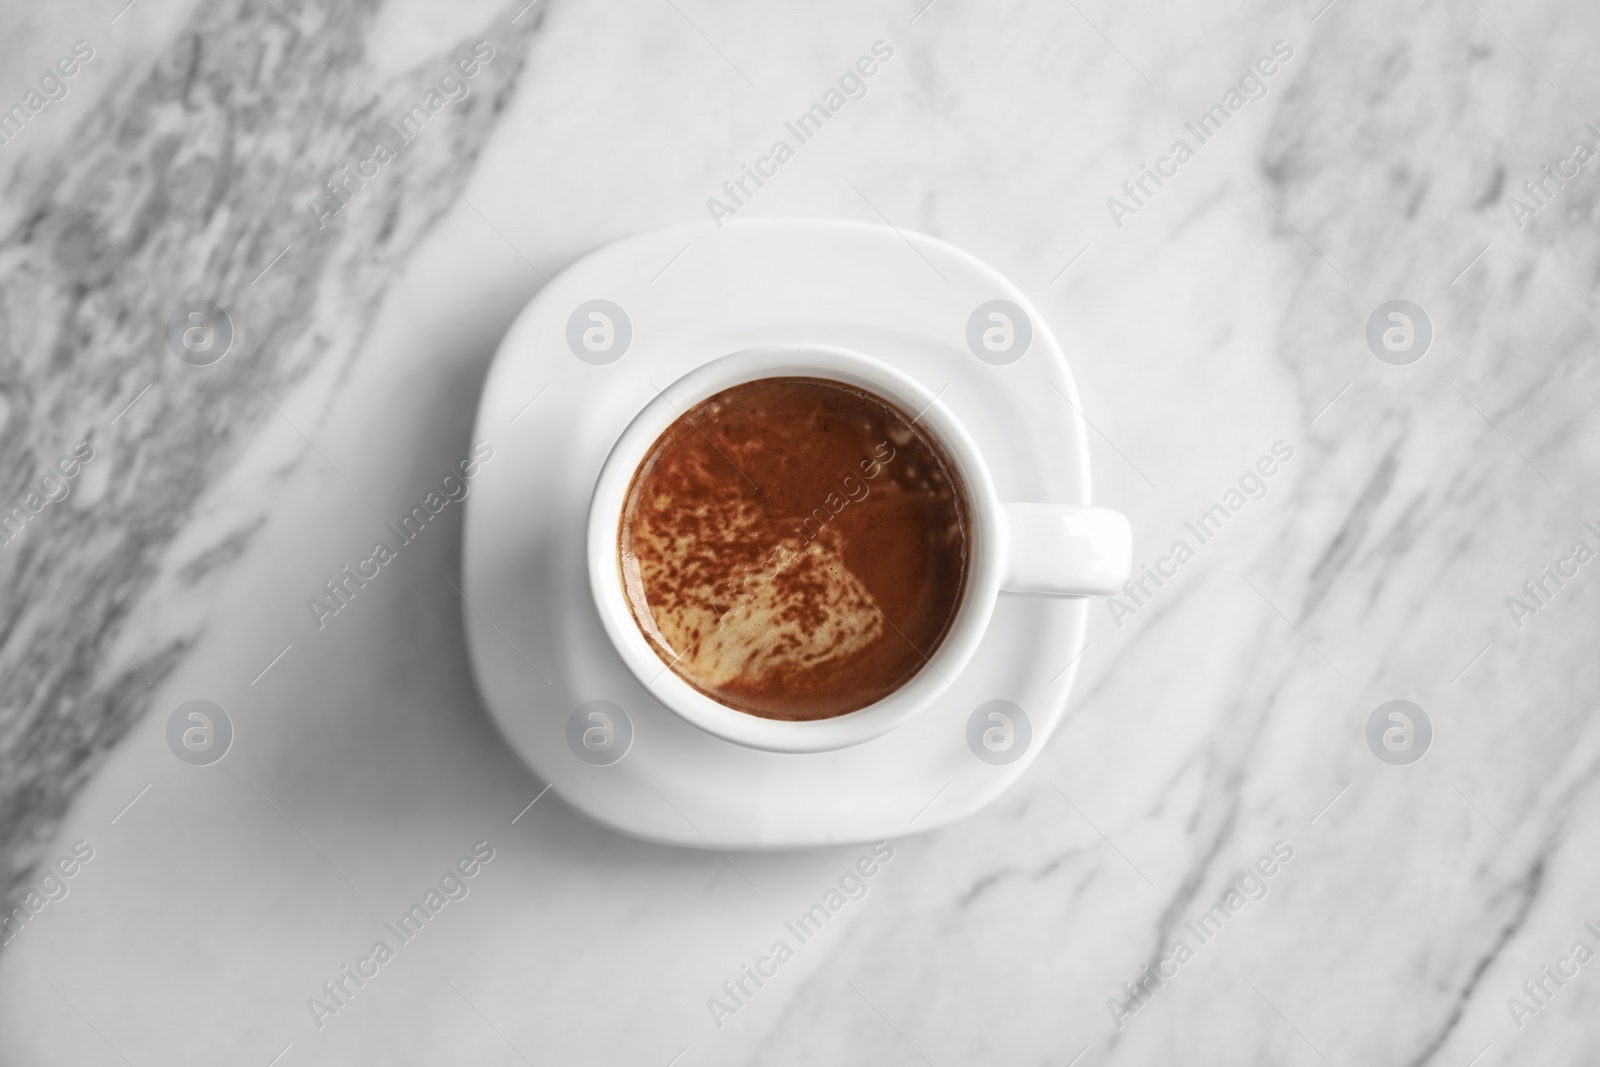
807	612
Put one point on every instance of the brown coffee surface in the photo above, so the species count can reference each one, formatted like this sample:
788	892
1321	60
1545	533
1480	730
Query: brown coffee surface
795	548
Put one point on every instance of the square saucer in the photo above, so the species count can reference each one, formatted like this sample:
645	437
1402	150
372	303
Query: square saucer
580	362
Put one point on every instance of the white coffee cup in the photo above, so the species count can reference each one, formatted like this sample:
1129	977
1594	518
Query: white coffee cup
1028	548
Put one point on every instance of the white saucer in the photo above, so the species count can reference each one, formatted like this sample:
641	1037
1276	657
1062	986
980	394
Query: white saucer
537	645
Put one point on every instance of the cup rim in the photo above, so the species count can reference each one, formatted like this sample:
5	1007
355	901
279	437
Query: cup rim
961	640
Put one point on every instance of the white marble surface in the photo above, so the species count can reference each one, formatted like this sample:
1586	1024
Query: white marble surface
1226	715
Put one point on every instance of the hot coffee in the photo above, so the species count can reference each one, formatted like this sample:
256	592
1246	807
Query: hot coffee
795	548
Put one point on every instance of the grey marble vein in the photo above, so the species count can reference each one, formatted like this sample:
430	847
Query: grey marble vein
186	185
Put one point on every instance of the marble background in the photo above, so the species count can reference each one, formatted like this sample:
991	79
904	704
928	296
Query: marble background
1229	714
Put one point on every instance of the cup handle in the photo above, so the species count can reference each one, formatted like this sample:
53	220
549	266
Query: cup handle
1066	550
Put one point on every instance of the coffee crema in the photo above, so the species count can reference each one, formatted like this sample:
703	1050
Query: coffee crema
795	548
